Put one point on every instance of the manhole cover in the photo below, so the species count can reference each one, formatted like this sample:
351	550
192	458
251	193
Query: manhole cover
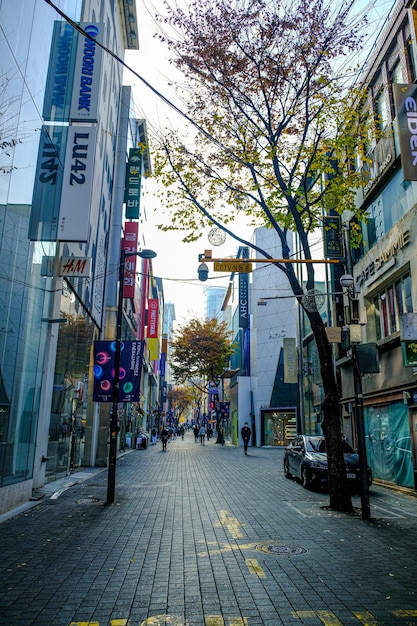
89	500
281	549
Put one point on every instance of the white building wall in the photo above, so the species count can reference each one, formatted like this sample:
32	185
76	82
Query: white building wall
270	322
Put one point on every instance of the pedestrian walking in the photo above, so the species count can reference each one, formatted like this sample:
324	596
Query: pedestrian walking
164	439
246	435
154	436
202	434
196	431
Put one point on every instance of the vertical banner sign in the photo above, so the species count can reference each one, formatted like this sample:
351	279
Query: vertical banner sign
132	183
130	244
153	312
131	358
243	300
74	215
58	91
87	74
290	361
405	97
44	216
333	237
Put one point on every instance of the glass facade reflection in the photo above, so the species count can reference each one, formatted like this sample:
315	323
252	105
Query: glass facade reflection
48	323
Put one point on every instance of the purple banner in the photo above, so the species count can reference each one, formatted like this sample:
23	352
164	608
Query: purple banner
131	357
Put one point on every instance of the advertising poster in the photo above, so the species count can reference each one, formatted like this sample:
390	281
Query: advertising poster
131	358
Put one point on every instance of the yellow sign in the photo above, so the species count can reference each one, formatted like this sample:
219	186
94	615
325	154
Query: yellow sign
232	266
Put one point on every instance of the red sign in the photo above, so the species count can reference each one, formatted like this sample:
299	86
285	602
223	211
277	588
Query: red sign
152	318
130	244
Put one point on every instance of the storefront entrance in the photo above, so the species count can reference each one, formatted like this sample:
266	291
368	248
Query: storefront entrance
279	426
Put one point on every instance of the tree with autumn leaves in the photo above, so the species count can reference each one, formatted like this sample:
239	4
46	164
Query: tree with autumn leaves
200	352
276	131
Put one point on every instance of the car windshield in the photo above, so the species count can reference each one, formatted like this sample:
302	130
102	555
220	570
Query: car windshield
318	444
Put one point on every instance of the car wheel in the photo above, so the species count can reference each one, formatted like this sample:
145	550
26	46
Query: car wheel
305	478
287	473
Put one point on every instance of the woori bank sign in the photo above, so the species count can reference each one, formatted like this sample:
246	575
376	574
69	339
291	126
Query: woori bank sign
87	74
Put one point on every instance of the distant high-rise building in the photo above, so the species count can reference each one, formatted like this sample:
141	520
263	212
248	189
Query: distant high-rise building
214	299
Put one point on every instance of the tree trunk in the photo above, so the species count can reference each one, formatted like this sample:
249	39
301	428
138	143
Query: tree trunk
340	498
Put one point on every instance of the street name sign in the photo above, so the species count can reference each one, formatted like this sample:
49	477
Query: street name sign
232	266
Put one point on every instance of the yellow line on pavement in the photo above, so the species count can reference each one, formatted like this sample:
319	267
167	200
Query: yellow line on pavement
326	617
367	619
238	621
119	622
404	613
231	523
214	620
254	568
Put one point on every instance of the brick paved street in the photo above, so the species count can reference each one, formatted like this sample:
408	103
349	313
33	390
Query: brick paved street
206	536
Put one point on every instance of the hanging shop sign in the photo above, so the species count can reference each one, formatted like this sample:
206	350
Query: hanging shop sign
130	244
333	237
87	74
73	266
405	98
133	183
77	186
290	360
153	313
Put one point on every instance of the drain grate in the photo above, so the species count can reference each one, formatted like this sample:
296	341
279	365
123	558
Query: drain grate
88	500
281	549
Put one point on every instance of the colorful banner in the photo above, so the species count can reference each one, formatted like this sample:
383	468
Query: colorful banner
132	183
130	244
405	97
77	186
131	359
153	313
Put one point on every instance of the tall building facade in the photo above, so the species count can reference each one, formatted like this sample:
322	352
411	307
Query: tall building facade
385	268
60	107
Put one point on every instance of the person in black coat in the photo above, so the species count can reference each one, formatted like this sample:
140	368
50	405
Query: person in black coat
246	435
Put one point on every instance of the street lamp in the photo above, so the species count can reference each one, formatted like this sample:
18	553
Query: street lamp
347	282
111	479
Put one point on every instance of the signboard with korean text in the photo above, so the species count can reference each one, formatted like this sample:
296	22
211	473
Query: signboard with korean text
131	359
232	266
130	244
133	183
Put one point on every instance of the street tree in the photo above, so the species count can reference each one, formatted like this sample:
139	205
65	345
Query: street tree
275	136
183	398
200	352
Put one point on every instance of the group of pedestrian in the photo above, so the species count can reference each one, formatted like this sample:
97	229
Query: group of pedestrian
200	433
